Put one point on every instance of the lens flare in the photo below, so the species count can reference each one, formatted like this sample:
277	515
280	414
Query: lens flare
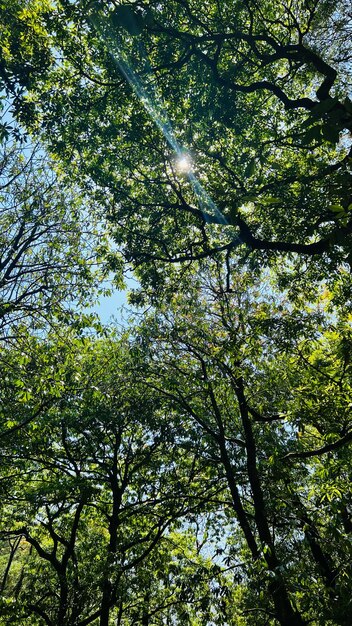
184	164
147	92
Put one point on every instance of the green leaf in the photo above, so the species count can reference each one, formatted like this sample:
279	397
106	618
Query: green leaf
249	198
272	200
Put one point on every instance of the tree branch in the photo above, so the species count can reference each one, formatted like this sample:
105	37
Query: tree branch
323	450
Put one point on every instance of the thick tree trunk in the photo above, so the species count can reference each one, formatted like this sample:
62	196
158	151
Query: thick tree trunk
285	612
61	615
105	603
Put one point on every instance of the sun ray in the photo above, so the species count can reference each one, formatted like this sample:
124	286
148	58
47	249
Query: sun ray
149	97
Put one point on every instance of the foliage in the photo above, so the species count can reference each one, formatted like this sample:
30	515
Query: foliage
49	249
273	413
243	88
93	486
24	49
194	470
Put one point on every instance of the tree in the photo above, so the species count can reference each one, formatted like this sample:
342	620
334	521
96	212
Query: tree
235	366
49	254
93	491
24	50
214	138
247	94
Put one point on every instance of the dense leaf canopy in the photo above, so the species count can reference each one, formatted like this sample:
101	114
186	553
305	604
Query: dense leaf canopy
245	90
194	468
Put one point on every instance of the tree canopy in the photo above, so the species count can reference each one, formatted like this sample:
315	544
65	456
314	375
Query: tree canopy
193	468
48	254
246	90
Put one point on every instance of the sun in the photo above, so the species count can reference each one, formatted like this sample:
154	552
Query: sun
184	164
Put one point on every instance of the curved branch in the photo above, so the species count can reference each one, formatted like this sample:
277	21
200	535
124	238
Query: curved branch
323	450
253	242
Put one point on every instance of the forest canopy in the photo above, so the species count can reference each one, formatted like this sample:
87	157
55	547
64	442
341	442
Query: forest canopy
191	467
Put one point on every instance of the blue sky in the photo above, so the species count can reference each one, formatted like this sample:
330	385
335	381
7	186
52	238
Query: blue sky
115	307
